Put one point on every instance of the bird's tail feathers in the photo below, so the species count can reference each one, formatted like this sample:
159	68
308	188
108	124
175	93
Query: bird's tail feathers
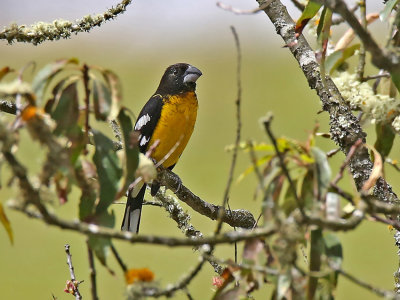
133	209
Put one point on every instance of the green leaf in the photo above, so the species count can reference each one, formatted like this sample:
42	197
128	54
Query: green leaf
334	252
271	199
309	12
250	169
287	199
85	173
108	170
101	100
100	245
4	71
114	84
384	138
395	75
46	74
130	146
66	112
324	25
6	223
333	248
232	294
251	251
323	32
316	250
283	285
334	60
384	14
323	171
256	146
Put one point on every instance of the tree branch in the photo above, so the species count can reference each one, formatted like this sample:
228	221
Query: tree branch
8	107
238	217
381	58
101	231
40	32
176	213
172	288
73	285
344	127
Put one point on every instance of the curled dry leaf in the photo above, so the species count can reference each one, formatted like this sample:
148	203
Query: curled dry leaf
332	206
6	224
376	170
146	168
252	248
348	36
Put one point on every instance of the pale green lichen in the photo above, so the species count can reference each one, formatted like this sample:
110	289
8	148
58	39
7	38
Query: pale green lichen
396	124
15	87
41	31
360	95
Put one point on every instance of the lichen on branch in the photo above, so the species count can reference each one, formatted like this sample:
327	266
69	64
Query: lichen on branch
39	32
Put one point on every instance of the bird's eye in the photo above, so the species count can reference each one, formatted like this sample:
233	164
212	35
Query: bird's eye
175	72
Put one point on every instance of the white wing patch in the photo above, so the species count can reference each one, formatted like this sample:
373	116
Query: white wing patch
142	121
144	140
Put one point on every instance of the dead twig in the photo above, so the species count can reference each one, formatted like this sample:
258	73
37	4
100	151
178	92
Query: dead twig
72	286
238	11
238	129
92	272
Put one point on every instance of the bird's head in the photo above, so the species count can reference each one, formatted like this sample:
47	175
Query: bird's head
178	78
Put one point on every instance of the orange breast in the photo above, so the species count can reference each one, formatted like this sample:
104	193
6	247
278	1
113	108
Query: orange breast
174	127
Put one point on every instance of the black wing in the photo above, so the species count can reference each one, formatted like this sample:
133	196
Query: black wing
147	120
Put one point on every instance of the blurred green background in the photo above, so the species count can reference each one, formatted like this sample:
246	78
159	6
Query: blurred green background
138	46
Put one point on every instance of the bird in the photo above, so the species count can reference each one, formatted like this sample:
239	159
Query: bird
168	118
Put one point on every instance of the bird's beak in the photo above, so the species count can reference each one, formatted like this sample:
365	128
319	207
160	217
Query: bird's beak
191	74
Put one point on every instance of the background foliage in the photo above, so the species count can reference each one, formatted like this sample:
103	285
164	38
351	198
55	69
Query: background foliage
266	79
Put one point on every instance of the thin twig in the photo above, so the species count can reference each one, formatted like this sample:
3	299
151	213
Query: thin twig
332	152
267	124
238	11
361	61
102	231
166	156
381	75
92	272
298	5
119	259
182	219
382	293
243	265
172	288
381	58
253	159
85	73
340	20
189	296
349	156
342	193
238	129
75	283
176	213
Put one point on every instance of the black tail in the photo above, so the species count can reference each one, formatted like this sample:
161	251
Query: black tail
133	211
